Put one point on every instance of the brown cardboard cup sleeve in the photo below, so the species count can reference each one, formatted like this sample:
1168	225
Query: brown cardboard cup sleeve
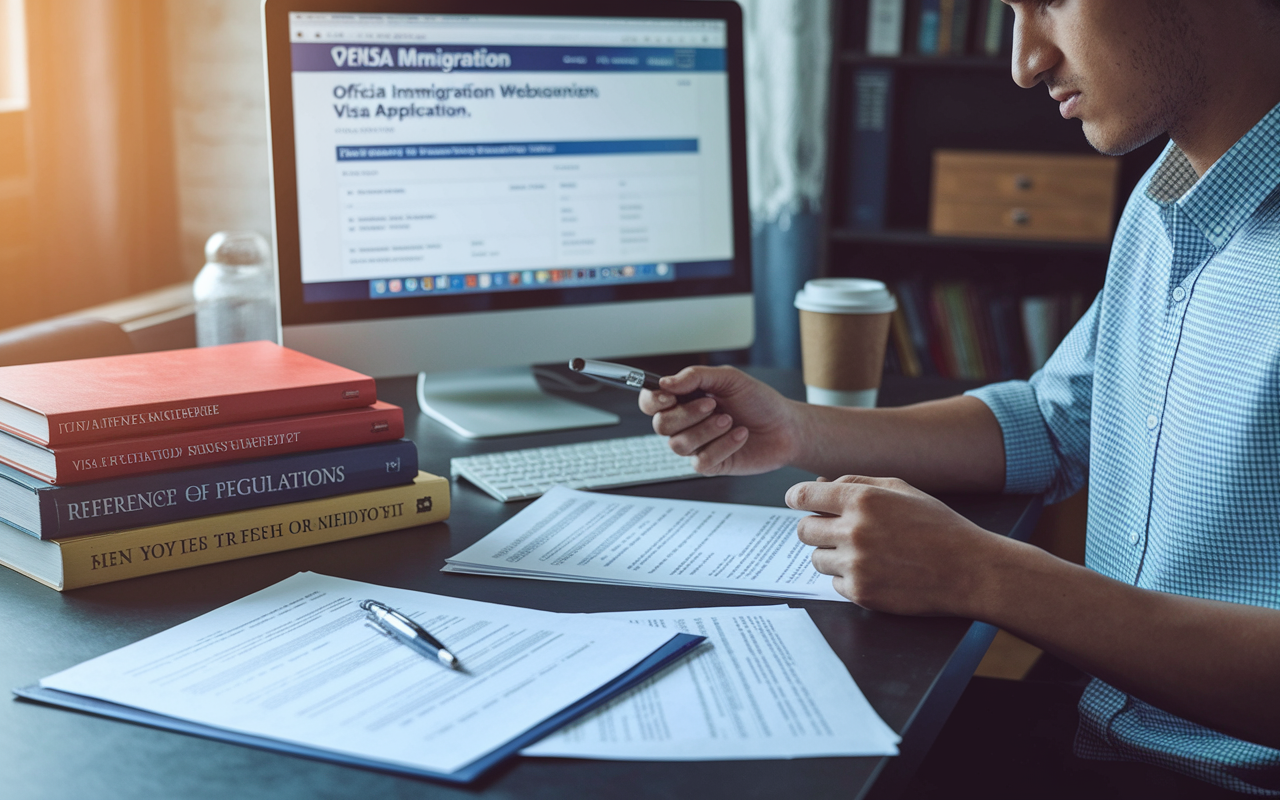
844	329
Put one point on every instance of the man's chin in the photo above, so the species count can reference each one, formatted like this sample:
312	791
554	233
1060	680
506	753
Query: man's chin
1117	140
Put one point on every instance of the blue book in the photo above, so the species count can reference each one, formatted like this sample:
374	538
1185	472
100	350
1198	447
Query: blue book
930	27
869	149
54	512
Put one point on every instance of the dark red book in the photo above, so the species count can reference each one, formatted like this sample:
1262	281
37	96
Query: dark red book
93	461
143	394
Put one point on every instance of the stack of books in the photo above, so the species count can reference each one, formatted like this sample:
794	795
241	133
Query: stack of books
116	467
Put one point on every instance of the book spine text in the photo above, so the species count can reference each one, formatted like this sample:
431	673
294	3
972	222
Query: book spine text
90	560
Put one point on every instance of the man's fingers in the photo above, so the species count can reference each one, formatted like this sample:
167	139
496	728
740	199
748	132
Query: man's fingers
828	562
865	480
653	402
686	380
831	497
711	456
823	531
680	418
821	498
719	381
690	440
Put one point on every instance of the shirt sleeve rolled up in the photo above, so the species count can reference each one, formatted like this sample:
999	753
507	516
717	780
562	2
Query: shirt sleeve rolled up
1045	421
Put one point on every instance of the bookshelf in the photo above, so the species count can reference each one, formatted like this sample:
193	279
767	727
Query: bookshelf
964	101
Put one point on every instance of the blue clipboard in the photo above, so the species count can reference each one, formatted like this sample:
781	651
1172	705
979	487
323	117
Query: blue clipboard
677	646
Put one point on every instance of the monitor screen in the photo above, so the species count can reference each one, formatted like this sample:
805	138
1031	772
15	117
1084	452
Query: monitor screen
528	181
505	161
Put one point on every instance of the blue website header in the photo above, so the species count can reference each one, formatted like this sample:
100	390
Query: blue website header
316	57
513	149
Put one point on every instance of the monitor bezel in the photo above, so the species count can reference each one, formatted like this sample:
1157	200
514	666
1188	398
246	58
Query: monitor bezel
293	311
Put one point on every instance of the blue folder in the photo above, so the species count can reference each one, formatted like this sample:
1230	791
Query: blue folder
670	652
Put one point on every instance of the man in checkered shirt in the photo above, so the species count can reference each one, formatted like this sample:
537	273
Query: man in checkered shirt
1166	396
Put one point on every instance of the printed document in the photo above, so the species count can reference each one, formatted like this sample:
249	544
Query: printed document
569	535
296	662
765	684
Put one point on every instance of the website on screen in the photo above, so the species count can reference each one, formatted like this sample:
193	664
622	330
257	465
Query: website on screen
449	153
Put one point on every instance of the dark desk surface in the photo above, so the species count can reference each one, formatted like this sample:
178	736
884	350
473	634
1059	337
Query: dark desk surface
912	670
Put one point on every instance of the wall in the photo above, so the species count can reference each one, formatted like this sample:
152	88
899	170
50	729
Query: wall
220	127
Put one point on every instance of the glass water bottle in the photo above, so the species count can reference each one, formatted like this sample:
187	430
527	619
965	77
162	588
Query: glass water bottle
235	292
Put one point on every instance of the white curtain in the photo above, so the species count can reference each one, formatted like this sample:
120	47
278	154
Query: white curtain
788	55
788	58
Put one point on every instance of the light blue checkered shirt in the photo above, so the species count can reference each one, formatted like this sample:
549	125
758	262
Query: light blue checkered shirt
1166	397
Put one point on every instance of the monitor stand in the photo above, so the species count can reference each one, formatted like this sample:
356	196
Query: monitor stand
479	404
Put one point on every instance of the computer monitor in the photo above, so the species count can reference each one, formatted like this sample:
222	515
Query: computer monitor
463	186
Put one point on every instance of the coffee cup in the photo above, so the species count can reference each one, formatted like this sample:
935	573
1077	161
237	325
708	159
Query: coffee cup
844	329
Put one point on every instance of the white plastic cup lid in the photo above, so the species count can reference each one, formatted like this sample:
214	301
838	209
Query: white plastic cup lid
845	296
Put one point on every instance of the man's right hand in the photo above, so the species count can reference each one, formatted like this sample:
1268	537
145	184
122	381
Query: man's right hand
744	427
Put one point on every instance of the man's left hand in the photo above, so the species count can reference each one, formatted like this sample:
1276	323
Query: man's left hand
890	547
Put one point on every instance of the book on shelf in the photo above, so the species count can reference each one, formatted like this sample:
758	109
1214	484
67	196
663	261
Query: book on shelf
142	394
1040	321
999	34
868	183
954	355
97	558
946	21
885	20
928	27
961	329
964	334
992	30
959	33
52	512
1009	340
94	461
903	351
914	305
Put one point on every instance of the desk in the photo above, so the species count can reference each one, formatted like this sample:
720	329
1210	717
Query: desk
912	670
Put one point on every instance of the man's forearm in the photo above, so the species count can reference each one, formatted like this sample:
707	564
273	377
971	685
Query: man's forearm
1211	662
952	445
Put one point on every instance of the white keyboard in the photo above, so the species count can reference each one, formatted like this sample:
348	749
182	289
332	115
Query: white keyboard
522	474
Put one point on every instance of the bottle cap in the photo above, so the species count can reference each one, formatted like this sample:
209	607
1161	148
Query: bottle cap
237	248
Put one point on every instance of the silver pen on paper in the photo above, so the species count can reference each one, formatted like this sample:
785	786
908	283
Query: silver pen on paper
409	633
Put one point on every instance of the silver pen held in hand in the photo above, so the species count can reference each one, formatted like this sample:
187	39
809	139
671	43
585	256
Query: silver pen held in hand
409	633
625	377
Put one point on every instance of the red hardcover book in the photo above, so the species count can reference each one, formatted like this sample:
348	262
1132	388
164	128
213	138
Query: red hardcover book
948	363
142	394
80	463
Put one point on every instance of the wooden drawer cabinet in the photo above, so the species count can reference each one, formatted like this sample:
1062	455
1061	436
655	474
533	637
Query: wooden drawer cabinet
1023	196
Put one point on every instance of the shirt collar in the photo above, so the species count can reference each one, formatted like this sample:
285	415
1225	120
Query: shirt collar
1225	197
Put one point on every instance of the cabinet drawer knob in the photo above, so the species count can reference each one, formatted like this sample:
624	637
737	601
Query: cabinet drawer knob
1023	182
1020	216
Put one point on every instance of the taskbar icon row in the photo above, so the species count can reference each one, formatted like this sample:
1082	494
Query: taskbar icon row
518	279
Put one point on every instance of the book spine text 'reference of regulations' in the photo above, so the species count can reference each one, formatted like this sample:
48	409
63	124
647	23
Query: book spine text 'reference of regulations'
106	557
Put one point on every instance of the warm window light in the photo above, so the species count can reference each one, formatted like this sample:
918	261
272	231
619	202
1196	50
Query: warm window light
13	56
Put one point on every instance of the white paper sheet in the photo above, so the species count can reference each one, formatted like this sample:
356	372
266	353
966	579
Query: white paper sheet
296	662
570	535
765	684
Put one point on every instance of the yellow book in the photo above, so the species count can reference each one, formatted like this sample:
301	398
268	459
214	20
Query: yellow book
105	557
